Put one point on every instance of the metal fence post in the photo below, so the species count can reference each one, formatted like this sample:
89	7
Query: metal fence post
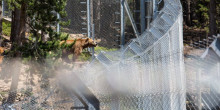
154	8
3	8
142	10
148	12
88	19
58	24
122	24
93	37
131	19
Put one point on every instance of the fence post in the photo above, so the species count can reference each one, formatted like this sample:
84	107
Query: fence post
155	8
93	37
143	20
149	12
131	19
3	8
58	24
122	24
88	19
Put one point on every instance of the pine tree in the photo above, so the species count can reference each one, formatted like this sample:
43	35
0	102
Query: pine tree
41	17
212	18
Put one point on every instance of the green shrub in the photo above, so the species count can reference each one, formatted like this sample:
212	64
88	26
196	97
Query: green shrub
6	28
85	56
98	49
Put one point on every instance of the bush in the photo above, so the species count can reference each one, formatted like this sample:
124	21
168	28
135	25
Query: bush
98	49
6	28
86	56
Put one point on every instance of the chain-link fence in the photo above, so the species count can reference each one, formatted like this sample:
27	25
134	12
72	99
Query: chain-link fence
106	19
5	9
76	16
103	14
202	71
148	73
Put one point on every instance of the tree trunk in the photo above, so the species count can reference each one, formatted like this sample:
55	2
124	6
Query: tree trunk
98	20
14	35
22	27
212	18
17	33
15	25
188	20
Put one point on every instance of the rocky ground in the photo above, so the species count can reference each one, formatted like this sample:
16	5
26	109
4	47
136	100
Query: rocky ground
27	80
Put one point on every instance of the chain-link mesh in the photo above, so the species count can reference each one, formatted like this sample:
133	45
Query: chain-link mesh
33	93
148	73
106	19
202	75
53	98
6	12
77	16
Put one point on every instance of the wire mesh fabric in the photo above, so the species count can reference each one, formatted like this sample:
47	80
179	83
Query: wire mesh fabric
77	16
148	73
6	12
202	75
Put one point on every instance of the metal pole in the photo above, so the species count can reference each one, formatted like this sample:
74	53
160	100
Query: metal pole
88	19
58	24
3	8
131	18
142	11
122	24
93	37
154	8
148	12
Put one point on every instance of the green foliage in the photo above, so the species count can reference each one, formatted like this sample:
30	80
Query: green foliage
202	13
42	17
85	56
2	94
64	36
98	49
6	28
198	12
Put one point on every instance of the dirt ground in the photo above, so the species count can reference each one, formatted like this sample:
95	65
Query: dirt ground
26	80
